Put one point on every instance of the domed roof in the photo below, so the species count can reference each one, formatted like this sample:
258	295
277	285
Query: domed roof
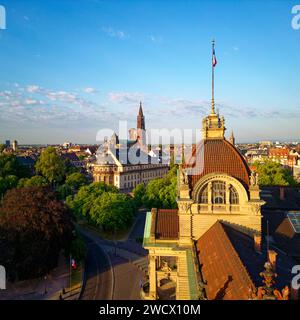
217	156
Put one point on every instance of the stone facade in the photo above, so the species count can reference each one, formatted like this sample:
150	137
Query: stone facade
230	194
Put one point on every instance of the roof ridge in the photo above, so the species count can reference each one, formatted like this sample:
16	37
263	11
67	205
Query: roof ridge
218	223
236	254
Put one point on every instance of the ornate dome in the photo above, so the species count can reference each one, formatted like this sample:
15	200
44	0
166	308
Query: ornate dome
217	156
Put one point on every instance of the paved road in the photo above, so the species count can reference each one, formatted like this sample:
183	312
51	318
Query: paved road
110	276
98	284
138	229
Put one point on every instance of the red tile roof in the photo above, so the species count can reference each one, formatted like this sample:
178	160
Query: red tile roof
227	278
278	152
218	156
167	224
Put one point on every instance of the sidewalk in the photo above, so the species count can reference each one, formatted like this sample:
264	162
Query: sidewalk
47	288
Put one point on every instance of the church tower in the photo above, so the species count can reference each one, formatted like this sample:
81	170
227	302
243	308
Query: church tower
141	118
232	138
141	130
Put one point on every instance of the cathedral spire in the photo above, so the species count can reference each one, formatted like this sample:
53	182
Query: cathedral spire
232	138
141	109
141	118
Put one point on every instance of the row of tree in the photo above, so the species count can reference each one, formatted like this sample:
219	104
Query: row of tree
159	193
271	173
50	169
103	206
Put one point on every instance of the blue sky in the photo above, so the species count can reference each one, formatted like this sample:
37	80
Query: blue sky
72	67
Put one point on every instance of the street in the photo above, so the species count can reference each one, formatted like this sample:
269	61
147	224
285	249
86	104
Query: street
114	271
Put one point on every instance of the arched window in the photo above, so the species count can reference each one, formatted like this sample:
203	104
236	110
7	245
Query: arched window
234	196
218	192
204	195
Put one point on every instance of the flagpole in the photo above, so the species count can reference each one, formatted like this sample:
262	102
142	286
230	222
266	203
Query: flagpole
213	80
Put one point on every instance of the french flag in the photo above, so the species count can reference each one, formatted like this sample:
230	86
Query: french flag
214	59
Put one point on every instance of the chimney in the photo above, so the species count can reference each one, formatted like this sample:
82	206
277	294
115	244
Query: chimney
257	243
282	195
272	258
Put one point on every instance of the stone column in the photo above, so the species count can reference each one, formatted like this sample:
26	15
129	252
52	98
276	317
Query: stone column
209	196
152	277
227	200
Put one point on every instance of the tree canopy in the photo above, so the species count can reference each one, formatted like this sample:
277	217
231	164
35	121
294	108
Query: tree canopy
10	172
36	181
9	165
51	166
76	180
34	228
159	193
273	174
103	206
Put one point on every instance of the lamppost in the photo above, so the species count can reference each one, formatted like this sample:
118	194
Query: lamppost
45	278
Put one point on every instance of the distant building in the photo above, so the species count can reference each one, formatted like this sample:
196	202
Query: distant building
253	155
126	166
73	159
28	161
7	143
232	138
279	155
265	144
15	145
67	145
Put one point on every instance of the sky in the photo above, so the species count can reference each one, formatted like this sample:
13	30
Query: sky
69	68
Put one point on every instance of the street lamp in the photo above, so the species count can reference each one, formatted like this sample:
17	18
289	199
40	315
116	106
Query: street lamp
45	278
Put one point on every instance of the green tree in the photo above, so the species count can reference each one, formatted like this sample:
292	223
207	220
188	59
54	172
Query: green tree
83	201
273	174
139	192
76	180
161	193
37	181
64	191
112	211
34	228
9	165
51	166
7	183
2	147
77	249
103	206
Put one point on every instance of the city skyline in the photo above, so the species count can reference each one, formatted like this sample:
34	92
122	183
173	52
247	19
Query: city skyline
67	76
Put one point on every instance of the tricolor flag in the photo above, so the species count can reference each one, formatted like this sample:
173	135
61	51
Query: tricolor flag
73	263
214	59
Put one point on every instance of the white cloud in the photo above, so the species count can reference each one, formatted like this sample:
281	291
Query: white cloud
156	39
111	32
90	90
33	88
126	97
36	106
